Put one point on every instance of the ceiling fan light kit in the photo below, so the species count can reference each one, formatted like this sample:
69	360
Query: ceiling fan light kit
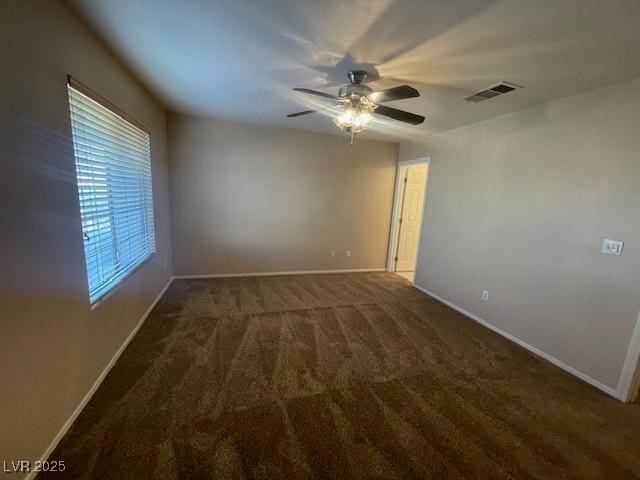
354	115
356	104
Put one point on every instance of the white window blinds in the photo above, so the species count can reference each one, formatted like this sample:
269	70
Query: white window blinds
113	170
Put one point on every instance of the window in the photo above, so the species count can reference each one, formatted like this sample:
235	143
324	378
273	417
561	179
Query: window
113	170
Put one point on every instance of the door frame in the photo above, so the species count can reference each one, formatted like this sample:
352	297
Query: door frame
394	229
629	383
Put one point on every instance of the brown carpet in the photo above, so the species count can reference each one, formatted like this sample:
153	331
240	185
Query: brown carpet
338	376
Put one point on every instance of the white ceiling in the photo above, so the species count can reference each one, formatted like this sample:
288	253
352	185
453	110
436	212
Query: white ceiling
238	59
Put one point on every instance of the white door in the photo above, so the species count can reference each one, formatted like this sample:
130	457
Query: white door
411	217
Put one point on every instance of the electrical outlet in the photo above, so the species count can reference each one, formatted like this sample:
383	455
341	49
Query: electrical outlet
348	253
485	295
333	254
612	247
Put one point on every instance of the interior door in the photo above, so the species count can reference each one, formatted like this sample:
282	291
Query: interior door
411	217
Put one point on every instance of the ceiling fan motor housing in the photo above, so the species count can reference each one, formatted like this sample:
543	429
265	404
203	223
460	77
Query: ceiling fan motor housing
355	89
352	91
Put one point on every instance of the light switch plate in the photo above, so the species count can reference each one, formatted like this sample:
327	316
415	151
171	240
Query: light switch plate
612	247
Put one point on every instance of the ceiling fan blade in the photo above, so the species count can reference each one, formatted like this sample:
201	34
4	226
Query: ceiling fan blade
297	114
395	93
400	115
314	92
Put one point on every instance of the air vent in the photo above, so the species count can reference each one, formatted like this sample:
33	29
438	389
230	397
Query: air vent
487	93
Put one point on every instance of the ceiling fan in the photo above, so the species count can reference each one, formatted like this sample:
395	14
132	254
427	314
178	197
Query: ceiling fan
356	103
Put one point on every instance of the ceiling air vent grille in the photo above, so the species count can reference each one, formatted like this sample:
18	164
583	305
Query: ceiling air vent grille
487	93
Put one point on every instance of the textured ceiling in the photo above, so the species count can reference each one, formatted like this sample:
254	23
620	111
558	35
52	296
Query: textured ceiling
238	59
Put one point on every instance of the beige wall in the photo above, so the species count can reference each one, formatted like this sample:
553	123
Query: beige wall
52	346
260	199
519	205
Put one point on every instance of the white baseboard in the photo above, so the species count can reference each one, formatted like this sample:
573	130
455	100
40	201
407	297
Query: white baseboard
630	377
582	376
97	383
272	274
